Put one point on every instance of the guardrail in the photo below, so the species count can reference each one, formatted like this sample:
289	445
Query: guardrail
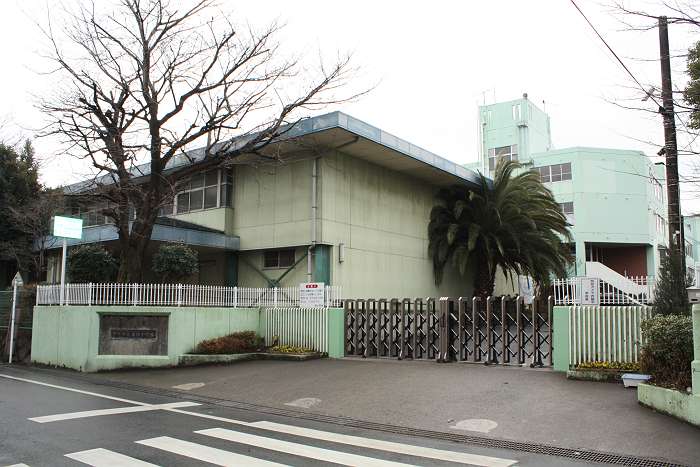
178	295
304	327
596	291
599	334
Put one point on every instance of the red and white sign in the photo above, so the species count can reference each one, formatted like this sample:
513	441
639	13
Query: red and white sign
312	294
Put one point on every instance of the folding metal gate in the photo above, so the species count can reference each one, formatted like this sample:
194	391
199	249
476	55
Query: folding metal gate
498	330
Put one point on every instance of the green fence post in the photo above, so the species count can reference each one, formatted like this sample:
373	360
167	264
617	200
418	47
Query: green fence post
696	346
336	332
561	338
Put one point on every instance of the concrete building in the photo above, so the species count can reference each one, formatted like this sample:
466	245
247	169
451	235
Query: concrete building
347	205
614	198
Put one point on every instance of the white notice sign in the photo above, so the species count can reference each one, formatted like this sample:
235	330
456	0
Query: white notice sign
67	227
589	291
312	294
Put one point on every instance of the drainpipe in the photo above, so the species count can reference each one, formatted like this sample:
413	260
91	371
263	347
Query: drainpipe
314	212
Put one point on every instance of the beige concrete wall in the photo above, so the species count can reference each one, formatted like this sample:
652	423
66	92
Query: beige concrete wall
249	261
272	205
219	218
381	216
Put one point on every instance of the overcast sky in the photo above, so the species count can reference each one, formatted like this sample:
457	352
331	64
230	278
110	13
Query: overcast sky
434	62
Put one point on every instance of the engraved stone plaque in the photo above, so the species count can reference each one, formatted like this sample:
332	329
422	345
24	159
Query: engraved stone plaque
133	335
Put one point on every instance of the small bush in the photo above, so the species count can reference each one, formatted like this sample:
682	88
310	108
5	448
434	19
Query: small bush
290	349
671	296
175	262
621	366
91	263
238	342
668	350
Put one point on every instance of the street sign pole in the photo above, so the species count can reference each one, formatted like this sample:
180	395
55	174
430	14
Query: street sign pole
63	273
16	282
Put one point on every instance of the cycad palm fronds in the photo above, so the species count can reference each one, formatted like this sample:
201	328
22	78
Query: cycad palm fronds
514	223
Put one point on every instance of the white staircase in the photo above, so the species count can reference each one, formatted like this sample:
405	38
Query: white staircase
615	279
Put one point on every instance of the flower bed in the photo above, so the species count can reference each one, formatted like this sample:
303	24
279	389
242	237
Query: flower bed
602	371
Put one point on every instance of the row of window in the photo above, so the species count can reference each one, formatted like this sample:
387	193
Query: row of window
508	153
207	190
554	173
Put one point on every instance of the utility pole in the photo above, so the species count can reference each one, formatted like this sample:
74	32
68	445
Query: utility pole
675	221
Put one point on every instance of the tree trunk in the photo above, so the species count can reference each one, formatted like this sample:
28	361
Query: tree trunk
484	281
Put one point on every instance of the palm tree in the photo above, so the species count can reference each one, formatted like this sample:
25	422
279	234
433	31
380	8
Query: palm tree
513	223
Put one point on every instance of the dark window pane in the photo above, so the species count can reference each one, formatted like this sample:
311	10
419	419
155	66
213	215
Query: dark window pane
503	151
211	177
556	176
227	195
196	199
197	181
210	197
286	258
271	259
183	202
492	163
229	176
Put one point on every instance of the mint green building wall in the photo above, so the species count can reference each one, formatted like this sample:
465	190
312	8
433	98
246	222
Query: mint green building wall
381	217
612	191
68	336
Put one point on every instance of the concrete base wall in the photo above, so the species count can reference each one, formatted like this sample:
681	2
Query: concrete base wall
68	336
675	403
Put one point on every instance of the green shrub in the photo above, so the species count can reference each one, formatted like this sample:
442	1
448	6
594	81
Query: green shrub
671	296
91	263
668	350
175	262
238	342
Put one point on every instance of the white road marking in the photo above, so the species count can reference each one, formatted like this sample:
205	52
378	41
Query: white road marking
17	465
106	458
79	391
475	424
265	425
304	402
408	449
204	453
114	411
311	452
188	386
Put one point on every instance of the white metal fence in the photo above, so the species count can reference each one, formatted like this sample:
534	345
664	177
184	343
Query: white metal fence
636	290
304	327
611	334
178	295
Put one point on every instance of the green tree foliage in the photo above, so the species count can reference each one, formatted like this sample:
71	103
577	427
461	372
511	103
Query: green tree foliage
668	350
671	296
513	223
91	263
175	262
19	187
692	90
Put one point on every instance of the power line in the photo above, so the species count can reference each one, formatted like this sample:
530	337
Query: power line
650	94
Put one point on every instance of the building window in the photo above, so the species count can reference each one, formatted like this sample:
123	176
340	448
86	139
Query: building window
658	189
568	210
555	173
274	259
210	189
688	249
509	153
660	226
517	112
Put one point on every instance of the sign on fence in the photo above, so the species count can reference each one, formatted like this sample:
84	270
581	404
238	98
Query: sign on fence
67	227
312	294
589	291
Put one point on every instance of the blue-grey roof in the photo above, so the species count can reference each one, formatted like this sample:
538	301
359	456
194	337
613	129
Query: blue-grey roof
309	126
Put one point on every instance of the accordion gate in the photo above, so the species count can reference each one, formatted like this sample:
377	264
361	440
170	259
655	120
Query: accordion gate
498	330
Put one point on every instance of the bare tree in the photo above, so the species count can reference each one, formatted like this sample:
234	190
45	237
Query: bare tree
150	79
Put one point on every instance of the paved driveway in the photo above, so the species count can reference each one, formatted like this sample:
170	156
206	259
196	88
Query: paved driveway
527	405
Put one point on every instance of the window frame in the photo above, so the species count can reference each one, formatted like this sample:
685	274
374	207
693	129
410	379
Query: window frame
278	253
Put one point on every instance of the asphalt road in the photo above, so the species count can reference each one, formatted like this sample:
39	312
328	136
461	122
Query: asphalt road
53	419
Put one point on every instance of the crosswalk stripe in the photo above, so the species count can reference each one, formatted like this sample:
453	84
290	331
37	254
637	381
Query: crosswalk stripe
411	450
205	453
105	458
114	411
296	449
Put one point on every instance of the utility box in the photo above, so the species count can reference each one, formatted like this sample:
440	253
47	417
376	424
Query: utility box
694	294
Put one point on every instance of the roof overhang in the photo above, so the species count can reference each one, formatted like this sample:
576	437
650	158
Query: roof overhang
161	233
